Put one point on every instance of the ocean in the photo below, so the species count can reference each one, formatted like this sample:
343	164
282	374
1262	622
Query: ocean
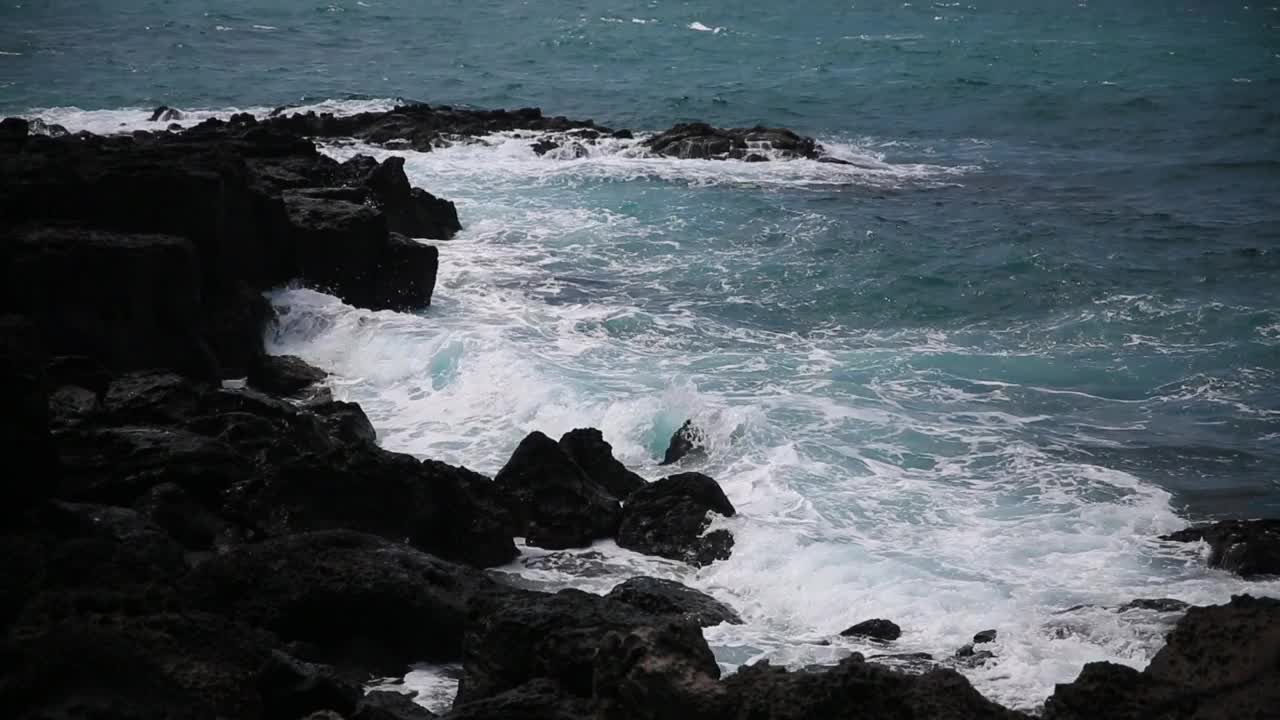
961	383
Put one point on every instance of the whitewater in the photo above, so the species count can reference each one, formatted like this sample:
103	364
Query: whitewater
951	477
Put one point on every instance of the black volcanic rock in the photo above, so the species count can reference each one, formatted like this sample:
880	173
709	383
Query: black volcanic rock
668	518
410	211
525	636
685	441
670	599
855	689
129	301
877	629
552	502
702	141
1219	661
594	455
1248	548
355	599
284	374
25	442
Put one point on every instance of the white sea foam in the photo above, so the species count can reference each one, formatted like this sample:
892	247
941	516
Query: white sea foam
126	120
703	28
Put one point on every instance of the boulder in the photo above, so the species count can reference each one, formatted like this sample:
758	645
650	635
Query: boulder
855	690
14	129
984	636
164	113
671	600
587	448
702	141
669	517
656	672
1248	548
525	636
687	440
1163	605
553	503
284	374
354	599
1219	661
877	629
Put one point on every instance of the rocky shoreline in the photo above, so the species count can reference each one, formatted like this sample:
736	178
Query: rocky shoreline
195	529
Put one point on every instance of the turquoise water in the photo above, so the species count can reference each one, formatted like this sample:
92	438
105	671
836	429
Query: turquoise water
961	383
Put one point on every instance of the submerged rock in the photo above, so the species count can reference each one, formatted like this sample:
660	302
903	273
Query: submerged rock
1163	605
669	518
1219	661
552	501
876	629
1248	548
687	440
670	599
702	141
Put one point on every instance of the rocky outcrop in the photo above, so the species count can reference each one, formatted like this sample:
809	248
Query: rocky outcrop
703	142
347	597
1219	661
523	637
876	629
671	600
552	501
670	517
158	246
688	440
856	689
588	448
284	375
1248	548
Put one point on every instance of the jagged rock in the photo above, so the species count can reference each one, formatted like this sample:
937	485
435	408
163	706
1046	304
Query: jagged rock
164	113
524	636
127	301
1248	548
432	506
655	672
291	688
877	629
284	374
25	443
410	211
355	599
855	689
1164	605
984	636
589	450
669	599
669	518
176	666
119	464
535	700
1219	661
385	705
345	421
71	404
552	502
185	519
687	440
701	141
544	146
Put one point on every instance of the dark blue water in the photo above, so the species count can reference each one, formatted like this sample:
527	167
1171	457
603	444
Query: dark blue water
1036	325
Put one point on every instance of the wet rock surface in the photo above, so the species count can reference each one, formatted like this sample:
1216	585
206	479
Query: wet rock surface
670	599
1249	548
670	518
